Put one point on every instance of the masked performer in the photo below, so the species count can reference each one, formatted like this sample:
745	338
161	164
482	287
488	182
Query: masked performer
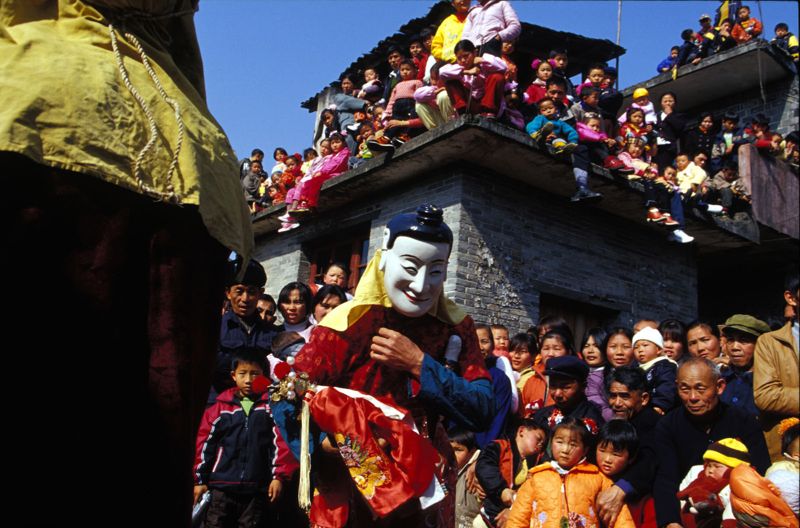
403	342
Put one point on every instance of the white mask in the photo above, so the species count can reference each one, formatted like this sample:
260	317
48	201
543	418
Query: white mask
414	272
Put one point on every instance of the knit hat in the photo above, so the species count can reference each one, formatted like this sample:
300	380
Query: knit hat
728	452
746	323
640	92
649	334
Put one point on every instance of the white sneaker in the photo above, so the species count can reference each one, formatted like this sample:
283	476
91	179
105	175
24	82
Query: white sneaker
680	236
285	218
714	208
288	226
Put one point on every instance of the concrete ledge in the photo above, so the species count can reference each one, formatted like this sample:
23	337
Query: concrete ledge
502	150
734	71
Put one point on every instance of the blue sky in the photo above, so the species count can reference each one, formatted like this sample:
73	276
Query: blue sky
262	58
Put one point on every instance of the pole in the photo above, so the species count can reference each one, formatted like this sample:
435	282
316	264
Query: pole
619	29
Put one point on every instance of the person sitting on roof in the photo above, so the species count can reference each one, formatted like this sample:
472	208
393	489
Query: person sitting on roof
746	28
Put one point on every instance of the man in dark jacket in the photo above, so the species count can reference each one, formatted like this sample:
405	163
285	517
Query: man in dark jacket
567	386
241	326
626	389
683	435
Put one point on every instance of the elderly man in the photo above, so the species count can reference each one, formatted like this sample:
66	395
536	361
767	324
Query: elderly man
628	396
683	435
776	375
567	385
740	332
242	326
392	341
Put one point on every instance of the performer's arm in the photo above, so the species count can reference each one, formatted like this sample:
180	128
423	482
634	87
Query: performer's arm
468	403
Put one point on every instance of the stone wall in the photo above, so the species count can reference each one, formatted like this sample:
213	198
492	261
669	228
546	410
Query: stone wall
517	245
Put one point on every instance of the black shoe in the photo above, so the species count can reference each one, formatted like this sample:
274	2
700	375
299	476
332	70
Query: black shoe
586	196
381	144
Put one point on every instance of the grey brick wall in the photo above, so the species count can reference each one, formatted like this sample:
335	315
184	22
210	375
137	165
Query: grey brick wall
515	245
782	105
511	244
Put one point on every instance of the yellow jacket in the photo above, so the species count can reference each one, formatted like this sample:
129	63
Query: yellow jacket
546	497
776	383
447	36
76	94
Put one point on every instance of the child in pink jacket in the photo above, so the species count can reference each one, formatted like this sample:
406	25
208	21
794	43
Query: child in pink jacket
475	84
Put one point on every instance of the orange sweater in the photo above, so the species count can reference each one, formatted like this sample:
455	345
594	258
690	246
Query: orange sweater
754	497
546	497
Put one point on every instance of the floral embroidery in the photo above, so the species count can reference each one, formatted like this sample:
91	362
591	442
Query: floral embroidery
368	470
556	417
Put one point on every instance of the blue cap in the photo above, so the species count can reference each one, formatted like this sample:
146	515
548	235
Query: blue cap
567	367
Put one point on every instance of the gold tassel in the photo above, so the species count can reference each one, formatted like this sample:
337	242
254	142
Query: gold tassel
304	489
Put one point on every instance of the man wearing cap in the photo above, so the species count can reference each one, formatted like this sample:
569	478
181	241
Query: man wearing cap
683	435
567	386
706	35
241	324
776	372
741	332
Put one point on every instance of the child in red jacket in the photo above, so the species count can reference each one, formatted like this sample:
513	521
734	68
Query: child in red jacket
240	456
746	28
705	491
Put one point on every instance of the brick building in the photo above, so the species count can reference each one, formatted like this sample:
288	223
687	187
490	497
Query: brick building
522	250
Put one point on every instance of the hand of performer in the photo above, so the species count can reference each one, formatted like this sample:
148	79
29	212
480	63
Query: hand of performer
501	518
609	504
473	486
198	492
328	447
507	497
393	349
274	491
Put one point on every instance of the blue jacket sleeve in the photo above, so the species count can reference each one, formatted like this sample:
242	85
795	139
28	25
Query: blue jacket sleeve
535	125
501	388
571	133
468	403
665	65
348	103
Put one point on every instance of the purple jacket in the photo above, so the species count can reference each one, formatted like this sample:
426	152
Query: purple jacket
596	391
476	83
486	21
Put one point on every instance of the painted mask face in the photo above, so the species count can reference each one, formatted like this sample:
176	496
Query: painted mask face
414	272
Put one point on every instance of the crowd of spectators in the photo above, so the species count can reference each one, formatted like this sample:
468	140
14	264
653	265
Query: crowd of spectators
666	423
467	66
